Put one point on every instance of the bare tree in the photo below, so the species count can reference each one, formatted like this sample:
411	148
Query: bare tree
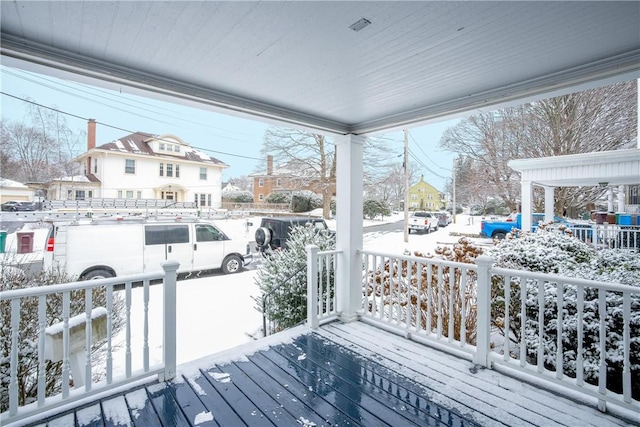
313	156
40	148
594	120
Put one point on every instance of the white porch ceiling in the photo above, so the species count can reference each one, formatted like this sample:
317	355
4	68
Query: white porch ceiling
299	63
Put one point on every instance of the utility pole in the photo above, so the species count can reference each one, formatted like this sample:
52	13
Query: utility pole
453	210
406	186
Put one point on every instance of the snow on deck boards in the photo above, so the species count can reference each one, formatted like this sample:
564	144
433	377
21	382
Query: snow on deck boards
341	375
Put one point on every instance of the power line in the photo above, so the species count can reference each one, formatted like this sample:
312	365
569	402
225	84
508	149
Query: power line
121	129
421	163
426	156
153	109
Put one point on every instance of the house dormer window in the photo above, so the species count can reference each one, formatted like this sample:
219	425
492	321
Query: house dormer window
161	146
176	148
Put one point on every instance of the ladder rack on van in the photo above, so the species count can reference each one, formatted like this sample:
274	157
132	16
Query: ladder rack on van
136	219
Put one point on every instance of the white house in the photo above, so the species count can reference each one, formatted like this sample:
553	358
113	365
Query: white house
144	166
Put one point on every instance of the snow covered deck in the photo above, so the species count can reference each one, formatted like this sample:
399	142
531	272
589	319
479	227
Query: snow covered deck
340	374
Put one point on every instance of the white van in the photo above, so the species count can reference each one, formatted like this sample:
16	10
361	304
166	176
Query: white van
118	247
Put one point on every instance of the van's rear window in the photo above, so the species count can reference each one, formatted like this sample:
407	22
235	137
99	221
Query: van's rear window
166	234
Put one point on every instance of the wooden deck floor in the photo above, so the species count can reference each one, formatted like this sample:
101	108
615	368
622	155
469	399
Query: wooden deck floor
341	375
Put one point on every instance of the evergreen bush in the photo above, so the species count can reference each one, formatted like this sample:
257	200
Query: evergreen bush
282	278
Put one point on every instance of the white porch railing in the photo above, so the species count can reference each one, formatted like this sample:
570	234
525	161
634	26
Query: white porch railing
321	290
72	338
608	235
461	308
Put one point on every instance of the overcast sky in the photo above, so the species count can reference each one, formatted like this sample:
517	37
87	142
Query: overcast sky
233	140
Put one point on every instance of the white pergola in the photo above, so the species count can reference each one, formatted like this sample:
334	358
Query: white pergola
605	169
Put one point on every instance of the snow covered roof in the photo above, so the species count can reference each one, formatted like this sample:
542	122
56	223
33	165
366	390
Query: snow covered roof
13	184
140	143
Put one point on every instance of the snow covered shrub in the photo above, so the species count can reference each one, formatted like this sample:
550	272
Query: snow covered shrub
400	290
28	366
283	277
278	197
372	208
550	252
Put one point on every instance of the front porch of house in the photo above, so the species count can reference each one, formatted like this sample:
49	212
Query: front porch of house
340	374
419	349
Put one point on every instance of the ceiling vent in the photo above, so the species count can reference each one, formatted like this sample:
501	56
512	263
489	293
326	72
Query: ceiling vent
357	26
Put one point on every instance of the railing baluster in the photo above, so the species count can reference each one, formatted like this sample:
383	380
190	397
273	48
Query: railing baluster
429	289
88	306
408	310
580	327
109	334
145	345
419	286
65	344
463	298
560	343
452	281
541	310
42	324
13	381
440	286
523	320
127	353
507	318
626	368
602	374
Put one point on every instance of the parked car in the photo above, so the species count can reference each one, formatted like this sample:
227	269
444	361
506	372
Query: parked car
111	248
274	232
14	206
423	222
444	219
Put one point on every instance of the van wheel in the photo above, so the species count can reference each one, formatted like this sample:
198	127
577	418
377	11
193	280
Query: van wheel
231	264
98	274
500	235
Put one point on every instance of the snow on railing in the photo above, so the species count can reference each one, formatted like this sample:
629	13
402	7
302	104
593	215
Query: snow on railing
469	309
59	335
321	286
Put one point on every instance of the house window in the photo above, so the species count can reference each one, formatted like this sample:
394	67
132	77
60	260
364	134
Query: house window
176	148
129	166
161	146
278	182
95	165
177	171
161	169
209	199
119	194
138	194
203	200
414	197
129	194
203	173
169	170
79	195
261	196
261	183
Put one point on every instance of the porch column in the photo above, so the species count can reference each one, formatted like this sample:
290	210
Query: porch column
526	188
548	204
621	195
349	201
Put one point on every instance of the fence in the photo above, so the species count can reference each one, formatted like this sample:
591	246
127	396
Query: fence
607	235
537	326
60	362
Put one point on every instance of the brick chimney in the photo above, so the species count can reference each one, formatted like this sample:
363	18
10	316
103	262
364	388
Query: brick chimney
91	134
269	165
91	141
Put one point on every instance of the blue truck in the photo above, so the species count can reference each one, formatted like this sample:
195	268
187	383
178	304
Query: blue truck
499	229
